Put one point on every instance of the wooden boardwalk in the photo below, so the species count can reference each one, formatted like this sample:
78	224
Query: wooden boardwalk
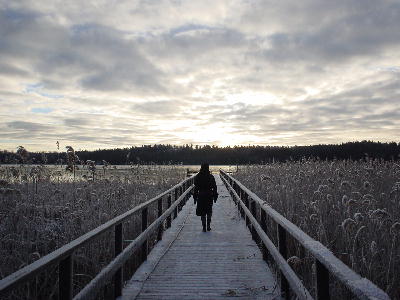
190	264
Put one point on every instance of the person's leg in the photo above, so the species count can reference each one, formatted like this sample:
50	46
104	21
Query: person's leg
209	215
203	222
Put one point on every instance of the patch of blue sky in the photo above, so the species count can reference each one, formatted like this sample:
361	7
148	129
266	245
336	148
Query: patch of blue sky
36	87
189	27
33	87
42	110
52	96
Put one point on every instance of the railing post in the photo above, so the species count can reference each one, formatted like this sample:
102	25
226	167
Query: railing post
184	186
246	202
187	197
144	227
176	207
322	281
283	251
239	206
253	209
117	250
65	270
180	194
263	223
160	229
238	199
168	206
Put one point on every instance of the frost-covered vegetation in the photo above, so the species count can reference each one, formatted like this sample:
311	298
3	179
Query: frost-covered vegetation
352	207
43	208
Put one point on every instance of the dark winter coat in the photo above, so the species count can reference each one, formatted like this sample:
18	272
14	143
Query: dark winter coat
205	191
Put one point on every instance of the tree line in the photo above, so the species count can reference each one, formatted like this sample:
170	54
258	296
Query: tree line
230	155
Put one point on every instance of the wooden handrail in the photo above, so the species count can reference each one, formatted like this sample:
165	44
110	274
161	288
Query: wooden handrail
292	278
89	291
63	254
362	288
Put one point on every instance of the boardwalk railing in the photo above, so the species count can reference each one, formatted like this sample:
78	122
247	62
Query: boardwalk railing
326	264
63	256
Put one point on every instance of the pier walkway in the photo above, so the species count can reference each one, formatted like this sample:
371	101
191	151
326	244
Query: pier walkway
191	264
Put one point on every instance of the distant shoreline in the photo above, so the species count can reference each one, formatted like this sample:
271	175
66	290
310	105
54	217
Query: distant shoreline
188	155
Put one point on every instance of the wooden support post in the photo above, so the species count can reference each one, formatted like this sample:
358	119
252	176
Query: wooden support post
144	227
263	223
160	211
282	247
178	208
175	198
237	202
185	186
181	190
253	209
240	199
118	279
189	194
168	206
246	202
65	273
187	198
322	284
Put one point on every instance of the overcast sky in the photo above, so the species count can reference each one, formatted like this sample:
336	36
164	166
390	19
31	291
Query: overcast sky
101	74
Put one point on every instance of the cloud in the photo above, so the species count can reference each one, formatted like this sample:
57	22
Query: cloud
76	122
28	126
157	107
103	74
85	56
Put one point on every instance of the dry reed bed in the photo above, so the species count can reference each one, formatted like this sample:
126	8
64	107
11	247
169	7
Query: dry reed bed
352	207
43	208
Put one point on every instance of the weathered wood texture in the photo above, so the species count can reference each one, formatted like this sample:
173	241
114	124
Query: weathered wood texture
191	264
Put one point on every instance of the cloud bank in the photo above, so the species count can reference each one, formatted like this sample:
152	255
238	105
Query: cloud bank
101	74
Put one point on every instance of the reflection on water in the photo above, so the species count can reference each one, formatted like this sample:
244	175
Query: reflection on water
213	168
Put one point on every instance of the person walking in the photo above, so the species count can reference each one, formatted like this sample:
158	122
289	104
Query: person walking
205	192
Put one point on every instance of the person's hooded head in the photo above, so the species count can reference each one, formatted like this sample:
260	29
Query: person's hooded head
204	168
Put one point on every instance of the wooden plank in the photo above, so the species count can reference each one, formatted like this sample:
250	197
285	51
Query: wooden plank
219	264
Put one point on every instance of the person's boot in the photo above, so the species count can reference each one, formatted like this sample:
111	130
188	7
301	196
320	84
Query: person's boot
203	222
208	224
